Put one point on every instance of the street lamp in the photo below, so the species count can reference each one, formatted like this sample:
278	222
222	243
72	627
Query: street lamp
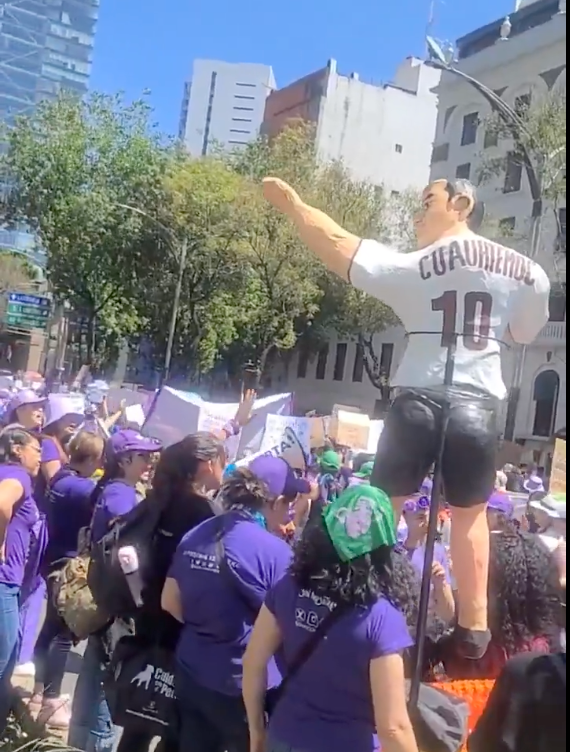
180	252
535	173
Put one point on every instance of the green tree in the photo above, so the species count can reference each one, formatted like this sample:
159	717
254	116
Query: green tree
72	164
199	209
544	138
293	299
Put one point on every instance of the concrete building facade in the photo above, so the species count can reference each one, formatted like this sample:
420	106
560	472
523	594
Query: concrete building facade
223	105
372	128
531	62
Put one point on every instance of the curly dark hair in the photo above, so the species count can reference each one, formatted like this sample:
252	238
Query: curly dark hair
524	592
385	572
245	488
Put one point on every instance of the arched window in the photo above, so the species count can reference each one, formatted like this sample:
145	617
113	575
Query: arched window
546	393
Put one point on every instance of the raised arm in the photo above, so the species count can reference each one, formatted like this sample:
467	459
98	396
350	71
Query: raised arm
335	247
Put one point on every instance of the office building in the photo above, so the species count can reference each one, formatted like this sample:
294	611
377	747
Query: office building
45	46
372	128
223	105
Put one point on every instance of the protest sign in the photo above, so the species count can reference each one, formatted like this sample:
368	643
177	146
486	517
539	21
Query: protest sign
176	414
558	479
288	437
319	431
350	429
376	428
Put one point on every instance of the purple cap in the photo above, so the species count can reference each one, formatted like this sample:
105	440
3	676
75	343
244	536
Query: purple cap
501	502
125	442
534	484
25	397
279	477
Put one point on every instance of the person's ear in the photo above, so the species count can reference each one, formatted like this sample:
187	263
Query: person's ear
464	206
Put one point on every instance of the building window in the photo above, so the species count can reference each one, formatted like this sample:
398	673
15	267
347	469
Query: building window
246	86
562	223
303	363
463	172
513	173
470	129
395	194
558	304
522	104
243	109
340	361
235	130
241	120
242	97
546	394
322	359
491	137
399	149
358	368
386	360
507	226
440	154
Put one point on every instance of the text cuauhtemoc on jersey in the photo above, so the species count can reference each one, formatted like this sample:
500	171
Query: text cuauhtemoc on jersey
466	286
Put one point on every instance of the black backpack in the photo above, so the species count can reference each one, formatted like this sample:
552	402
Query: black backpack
111	588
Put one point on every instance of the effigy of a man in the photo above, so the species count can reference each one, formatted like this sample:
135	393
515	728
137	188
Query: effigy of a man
458	290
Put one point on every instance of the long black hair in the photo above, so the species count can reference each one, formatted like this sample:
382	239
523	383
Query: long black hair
524	592
383	573
10	437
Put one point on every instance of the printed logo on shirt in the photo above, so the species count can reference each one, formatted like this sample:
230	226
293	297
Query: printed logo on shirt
202	562
308	620
163	681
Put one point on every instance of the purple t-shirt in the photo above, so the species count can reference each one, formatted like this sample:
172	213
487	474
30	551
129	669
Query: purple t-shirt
219	614
18	535
329	703
50	453
69	511
116	499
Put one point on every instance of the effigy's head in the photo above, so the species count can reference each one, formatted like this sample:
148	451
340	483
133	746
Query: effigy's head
447	206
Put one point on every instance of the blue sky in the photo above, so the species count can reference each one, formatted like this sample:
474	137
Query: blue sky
145	44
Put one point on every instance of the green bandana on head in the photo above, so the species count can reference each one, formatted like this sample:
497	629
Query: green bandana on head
360	521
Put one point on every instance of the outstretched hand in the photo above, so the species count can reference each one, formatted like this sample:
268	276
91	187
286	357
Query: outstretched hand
281	195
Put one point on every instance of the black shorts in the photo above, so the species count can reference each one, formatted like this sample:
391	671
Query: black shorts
409	446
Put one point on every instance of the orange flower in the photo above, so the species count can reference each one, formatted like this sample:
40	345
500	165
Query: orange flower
475	692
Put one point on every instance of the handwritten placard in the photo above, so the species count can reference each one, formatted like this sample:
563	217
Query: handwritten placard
350	429
288	437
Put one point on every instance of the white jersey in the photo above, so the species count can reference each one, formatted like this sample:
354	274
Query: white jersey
465	288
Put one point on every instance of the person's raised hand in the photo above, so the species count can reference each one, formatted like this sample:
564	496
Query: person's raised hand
438	575
280	194
243	415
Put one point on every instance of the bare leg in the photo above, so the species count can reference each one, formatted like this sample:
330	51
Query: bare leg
470	555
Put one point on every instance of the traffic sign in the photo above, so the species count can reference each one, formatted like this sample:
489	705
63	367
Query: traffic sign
27	311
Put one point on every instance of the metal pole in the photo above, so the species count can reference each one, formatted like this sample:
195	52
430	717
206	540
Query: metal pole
175	311
437	493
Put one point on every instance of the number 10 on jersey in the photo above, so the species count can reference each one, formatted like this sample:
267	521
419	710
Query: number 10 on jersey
477	319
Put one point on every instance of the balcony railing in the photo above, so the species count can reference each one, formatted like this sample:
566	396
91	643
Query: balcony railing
553	334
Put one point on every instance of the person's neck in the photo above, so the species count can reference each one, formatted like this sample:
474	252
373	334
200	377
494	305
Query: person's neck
81	469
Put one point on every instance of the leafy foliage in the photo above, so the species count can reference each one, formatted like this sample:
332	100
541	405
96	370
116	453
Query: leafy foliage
544	137
117	208
72	164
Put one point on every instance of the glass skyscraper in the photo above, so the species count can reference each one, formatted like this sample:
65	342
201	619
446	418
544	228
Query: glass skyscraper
46	46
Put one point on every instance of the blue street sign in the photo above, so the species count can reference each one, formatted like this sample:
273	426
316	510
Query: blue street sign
30	300
27	311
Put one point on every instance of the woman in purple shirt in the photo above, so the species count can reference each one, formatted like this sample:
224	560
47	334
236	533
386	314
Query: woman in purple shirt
350	693
218	581
19	464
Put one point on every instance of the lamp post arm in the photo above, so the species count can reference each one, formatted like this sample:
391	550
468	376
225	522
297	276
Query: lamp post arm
513	120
